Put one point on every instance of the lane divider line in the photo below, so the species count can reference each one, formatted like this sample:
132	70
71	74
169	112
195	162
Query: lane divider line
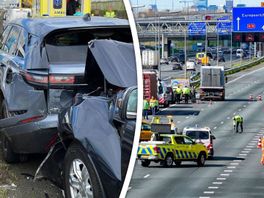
146	176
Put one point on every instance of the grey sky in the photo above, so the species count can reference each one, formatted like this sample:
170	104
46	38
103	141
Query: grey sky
167	4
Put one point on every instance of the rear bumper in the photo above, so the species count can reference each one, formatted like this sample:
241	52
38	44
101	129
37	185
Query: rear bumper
32	137
150	157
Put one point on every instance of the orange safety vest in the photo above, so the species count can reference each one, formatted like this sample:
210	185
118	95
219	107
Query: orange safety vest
262	149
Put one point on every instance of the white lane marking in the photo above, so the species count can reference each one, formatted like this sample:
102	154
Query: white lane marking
246	74
146	176
228	171
217	183
254	141
245	106
222	122
213	187
237	160
221	178
239	109
234	113
178	121
228	118
231	167
234	163
208	192
215	127
187	117
243	154
204	197
250	146
247	149
224	174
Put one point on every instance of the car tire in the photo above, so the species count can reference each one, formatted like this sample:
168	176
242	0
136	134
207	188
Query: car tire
168	160
8	154
77	157
145	163
201	159
178	163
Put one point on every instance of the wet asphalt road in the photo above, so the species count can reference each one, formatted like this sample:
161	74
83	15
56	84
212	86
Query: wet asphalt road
235	171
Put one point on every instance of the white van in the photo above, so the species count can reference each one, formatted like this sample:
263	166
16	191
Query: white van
15	13
240	53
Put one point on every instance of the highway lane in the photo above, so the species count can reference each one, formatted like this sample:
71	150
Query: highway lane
188	180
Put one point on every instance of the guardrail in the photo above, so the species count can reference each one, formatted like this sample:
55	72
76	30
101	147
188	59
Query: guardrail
195	80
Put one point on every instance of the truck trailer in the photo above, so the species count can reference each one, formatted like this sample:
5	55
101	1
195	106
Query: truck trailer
212	85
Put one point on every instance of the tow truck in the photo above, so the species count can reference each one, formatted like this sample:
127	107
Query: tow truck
168	148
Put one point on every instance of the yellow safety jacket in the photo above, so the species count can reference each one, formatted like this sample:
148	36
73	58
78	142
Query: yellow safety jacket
178	90
186	90
152	103
110	14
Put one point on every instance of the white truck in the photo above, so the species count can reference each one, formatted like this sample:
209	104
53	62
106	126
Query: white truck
212	84
150	59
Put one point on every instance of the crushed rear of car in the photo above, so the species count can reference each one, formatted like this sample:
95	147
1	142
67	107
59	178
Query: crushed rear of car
96	129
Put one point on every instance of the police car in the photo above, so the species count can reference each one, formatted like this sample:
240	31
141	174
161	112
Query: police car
171	148
201	135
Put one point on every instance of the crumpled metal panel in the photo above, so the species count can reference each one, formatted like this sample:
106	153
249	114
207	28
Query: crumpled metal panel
92	127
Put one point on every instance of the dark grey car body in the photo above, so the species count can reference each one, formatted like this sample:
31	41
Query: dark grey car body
32	53
102	122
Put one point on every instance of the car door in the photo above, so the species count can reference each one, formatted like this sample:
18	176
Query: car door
190	148
180	148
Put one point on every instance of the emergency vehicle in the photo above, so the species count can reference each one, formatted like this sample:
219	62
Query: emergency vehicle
201	135
168	148
53	8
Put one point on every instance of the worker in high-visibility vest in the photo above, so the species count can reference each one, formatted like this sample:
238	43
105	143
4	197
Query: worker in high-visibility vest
152	104
238	120
262	150
178	93
110	13
186	91
145	108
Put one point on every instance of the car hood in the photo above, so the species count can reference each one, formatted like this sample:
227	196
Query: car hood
111	60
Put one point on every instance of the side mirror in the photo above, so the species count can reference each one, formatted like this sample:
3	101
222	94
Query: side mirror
213	137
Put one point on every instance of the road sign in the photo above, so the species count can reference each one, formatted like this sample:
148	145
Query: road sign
224	28
248	19
197	28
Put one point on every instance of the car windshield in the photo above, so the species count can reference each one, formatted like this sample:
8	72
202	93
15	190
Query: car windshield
71	46
203	135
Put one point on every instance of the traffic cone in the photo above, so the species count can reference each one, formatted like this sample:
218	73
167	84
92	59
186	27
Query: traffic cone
259	98
259	143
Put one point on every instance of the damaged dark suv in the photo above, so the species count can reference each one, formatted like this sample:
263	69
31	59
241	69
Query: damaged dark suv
39	58
91	154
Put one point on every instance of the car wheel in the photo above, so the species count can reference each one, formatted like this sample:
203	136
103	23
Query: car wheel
201	159
168	160
80	176
145	163
8	153
178	163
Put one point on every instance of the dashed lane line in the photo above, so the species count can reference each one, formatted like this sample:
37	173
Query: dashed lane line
146	176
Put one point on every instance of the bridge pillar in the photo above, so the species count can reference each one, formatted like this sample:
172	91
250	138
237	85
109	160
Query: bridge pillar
164	46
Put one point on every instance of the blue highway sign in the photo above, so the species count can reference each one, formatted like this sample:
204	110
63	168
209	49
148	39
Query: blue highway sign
197	28
248	19
224	28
